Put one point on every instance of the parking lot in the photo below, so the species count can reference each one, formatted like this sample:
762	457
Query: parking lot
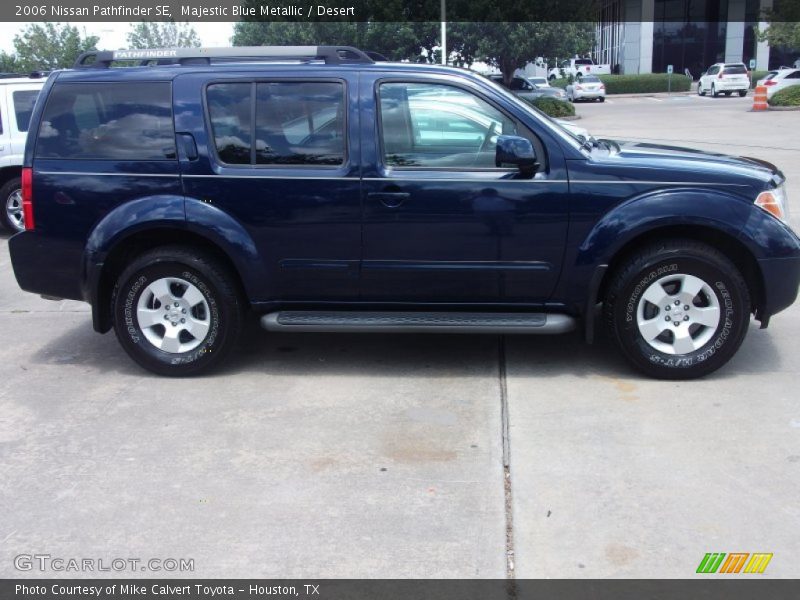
314	455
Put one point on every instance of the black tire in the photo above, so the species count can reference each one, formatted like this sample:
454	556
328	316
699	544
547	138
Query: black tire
742	93
223	310
660	262
602	99
700	91
714	93
6	219
727	94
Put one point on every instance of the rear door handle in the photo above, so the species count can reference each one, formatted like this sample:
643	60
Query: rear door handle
187	146
390	199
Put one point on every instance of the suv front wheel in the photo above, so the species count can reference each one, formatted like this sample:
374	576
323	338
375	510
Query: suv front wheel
176	311
11	194
678	309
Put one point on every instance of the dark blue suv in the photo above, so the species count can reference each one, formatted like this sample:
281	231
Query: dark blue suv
324	191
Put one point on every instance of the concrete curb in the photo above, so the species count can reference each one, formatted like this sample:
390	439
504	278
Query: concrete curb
784	108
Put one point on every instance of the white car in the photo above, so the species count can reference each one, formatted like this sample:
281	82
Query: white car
588	87
724	78
778	80
17	96
539	81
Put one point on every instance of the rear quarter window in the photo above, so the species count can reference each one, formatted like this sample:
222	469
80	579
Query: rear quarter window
120	121
24	100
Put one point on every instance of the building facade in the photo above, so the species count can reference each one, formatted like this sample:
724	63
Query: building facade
645	36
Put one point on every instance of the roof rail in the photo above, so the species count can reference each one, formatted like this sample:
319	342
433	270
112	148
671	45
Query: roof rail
102	59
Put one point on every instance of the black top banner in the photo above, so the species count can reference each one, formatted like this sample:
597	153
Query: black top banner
403	589
394	10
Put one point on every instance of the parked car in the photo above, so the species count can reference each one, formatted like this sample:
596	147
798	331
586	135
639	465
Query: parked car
323	191
539	81
588	87
17	96
525	88
578	67
724	78
778	80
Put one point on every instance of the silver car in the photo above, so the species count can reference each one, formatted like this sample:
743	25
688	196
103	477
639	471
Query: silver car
588	87
526	89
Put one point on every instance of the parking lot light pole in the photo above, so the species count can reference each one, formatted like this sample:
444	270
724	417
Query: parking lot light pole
443	8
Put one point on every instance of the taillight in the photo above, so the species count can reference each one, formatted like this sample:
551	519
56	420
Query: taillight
770	82
602	87
27	197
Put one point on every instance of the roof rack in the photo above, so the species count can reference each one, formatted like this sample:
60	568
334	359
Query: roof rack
102	59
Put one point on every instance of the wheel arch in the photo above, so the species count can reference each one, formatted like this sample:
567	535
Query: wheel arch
138	242
723	241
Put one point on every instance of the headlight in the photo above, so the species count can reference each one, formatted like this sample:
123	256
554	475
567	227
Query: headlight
775	203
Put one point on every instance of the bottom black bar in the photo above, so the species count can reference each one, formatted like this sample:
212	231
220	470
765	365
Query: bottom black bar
399	589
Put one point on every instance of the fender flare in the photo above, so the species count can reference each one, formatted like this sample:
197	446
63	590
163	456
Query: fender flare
163	212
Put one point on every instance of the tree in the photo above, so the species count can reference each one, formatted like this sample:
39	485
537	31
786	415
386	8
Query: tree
162	35
8	63
510	46
48	46
412	41
784	24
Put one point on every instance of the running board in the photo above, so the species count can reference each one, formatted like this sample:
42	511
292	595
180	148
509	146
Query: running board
418	322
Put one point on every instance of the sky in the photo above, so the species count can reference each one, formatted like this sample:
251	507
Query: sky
113	35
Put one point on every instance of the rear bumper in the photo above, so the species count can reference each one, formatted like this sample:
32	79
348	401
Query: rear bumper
47	265
722	86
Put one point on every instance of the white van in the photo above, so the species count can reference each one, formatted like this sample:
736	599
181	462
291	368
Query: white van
18	95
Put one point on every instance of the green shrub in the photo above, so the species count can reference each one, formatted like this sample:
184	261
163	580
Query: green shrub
789	96
649	83
553	106
755	76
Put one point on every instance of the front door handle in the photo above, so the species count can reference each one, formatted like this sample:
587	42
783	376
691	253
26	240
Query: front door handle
390	199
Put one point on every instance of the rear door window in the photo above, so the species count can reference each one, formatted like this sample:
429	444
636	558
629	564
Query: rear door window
120	121
24	101
296	122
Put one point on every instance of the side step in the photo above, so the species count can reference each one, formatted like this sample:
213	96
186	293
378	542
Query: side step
418	322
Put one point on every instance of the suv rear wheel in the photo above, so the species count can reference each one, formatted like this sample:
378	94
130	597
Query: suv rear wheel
11	195
176	311
678	309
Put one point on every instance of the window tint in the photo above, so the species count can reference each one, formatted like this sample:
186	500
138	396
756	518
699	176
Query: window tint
296	123
434	125
300	123
123	121
230	109
583	61
795	75
735	70
23	107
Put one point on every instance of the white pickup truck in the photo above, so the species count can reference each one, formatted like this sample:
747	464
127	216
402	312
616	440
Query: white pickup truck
578	67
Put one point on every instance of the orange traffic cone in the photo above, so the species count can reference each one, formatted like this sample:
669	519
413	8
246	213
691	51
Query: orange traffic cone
760	98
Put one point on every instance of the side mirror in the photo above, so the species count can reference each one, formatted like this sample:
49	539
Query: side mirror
518	151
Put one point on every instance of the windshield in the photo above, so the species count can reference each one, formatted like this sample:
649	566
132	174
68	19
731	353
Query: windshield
538	80
583	61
